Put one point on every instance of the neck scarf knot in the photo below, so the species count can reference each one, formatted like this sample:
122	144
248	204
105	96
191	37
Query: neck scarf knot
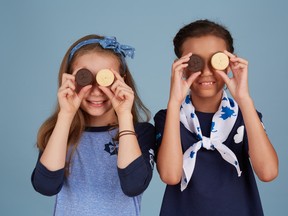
222	124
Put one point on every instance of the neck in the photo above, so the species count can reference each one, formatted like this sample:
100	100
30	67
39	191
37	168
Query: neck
206	105
108	118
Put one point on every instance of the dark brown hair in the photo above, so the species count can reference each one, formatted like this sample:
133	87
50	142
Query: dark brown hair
201	28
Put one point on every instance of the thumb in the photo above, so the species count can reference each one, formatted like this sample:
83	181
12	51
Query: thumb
84	91
107	91
224	76
192	77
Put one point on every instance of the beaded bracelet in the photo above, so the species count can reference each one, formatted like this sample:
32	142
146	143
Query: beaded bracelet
126	132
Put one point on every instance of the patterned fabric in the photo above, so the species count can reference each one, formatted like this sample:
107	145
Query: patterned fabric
222	124
108	42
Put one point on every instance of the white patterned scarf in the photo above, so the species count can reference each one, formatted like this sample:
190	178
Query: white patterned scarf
222	124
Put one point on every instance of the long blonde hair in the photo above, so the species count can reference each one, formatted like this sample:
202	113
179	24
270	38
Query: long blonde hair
139	111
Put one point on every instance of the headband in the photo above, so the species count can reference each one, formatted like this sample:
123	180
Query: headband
106	43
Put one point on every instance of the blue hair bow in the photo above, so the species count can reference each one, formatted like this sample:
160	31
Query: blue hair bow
106	43
111	43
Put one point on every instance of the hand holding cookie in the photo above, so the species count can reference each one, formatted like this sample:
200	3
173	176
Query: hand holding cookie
114	86
69	94
182	78
238	83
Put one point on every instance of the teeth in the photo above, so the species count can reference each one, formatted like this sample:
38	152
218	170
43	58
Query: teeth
207	83
96	102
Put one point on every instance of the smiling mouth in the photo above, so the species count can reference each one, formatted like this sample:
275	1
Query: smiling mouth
206	83
96	103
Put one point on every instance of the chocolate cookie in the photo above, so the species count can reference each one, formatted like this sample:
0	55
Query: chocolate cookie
105	77
219	61
195	64
84	77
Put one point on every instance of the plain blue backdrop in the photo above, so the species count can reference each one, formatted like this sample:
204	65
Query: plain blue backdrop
35	35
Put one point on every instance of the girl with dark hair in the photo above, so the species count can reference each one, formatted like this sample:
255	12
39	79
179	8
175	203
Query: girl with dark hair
206	140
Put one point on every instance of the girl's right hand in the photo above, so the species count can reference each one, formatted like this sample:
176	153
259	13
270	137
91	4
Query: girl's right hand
69	100
179	83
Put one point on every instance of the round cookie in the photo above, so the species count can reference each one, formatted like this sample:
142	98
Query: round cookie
84	77
105	77
195	63
220	61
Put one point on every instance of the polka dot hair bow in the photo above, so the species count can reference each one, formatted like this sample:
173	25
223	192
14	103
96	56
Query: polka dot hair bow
222	124
108	42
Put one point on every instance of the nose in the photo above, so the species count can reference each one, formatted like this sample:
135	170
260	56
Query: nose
95	90
207	69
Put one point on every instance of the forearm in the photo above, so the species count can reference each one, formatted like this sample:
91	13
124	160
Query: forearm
129	148
135	178
262	154
170	155
47	182
54	154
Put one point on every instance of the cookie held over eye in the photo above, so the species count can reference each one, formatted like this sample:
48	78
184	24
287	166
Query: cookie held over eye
84	77
195	63
220	61
105	77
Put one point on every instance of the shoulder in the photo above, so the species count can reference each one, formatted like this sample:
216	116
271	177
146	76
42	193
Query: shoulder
143	126
145	134
144	129
160	115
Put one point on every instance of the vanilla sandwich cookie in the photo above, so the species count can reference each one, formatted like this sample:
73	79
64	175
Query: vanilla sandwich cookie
105	77
220	61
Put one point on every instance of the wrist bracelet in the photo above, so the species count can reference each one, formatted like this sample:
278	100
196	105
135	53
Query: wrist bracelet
126	132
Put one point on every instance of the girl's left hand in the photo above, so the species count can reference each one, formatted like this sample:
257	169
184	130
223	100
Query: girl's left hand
120	94
238	83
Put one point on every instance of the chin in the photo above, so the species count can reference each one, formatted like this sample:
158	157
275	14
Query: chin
98	112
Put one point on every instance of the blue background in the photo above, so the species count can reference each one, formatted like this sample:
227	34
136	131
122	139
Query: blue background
35	35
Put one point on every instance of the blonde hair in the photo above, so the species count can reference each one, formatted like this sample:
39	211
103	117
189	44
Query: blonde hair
139	111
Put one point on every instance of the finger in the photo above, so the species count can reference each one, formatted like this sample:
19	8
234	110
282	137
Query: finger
229	54
182	57
187	55
239	67
66	77
235	58
182	60
119	83
107	91
123	94
192	78
224	76
84	91
65	93
117	75
179	71
239	60
121	91
71	85
67	84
